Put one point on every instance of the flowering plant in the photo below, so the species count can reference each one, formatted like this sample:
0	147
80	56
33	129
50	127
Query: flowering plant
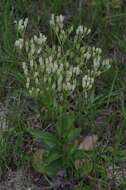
59	71
64	69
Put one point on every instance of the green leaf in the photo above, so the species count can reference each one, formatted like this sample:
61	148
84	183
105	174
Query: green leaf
53	168
72	148
64	123
79	154
52	156
46	137
100	170
47	164
87	167
87	187
73	133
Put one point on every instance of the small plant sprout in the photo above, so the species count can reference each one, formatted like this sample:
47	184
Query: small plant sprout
62	69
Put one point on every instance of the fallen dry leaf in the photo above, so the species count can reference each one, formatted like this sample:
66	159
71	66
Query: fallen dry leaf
88	142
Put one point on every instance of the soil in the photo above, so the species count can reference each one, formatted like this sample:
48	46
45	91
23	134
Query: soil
17	180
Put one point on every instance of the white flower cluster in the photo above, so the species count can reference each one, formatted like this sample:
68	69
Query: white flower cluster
63	68
81	30
21	25
57	21
19	43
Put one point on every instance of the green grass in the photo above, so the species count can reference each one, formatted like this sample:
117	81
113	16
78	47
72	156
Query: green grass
109	29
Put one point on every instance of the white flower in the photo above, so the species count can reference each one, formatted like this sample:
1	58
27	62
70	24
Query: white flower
98	50
80	30
55	67
50	59
52	20
36	74
45	79
31	63
20	25
84	82
69	86
60	79
69	73
41	60
19	43
31	92
27	46
77	70
96	63
25	22
33	48
39	50
88	55
53	86
27	85
61	67
59	83
24	65
42	39
36	81
67	64
59	71
48	69
26	71
87	31
35	38
105	62
73	85
61	18
37	90
28	80
92	80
